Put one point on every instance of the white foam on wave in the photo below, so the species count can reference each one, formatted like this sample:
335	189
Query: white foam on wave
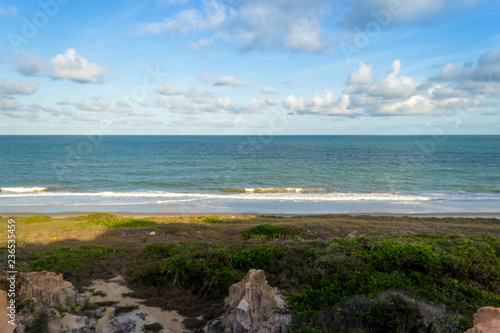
22	189
158	196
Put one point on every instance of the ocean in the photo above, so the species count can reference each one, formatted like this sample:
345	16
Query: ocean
250	174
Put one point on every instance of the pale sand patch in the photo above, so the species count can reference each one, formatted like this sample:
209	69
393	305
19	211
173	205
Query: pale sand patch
114	290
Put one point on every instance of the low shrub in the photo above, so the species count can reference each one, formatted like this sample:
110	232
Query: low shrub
270	231
212	220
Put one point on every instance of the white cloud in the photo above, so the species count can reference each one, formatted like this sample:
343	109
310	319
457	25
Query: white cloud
203	45
229	80
293	25
17	88
76	68
166	89
398	95
29	65
98	103
269	90
189	21
324	104
290	80
8	103
10	10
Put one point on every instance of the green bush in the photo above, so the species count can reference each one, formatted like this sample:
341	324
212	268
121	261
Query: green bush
270	231
212	220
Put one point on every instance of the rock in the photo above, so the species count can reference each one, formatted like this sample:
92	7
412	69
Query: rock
486	320
48	287
152	233
252	306
109	323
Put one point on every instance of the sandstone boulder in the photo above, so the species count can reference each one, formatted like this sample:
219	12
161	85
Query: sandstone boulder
252	306
49	287
486	320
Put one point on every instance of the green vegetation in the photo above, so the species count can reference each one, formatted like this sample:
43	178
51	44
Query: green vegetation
99	293
68	260
36	219
125	309
270	231
345	281
114	222
156	327
212	220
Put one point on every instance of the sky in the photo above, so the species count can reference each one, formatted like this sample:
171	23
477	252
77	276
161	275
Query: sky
259	67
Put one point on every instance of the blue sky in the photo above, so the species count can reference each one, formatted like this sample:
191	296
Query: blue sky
270	67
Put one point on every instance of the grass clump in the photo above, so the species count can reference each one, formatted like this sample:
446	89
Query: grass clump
99	293
125	309
123	223
212	220
36	219
270	231
156	327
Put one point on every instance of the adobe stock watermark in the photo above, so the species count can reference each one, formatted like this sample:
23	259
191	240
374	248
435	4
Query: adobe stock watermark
75	156
372	29
30	27
11	273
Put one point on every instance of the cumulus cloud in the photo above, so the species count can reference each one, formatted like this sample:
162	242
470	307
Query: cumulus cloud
17	88
230	81
269	90
365	94
98	103
73	67
481	77
399	95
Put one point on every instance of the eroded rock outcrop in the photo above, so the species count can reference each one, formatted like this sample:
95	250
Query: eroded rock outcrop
486	320
252	306
49	287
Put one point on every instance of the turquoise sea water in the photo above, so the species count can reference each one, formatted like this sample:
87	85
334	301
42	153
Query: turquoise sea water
254	172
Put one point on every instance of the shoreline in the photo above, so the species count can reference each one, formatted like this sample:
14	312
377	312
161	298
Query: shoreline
495	215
